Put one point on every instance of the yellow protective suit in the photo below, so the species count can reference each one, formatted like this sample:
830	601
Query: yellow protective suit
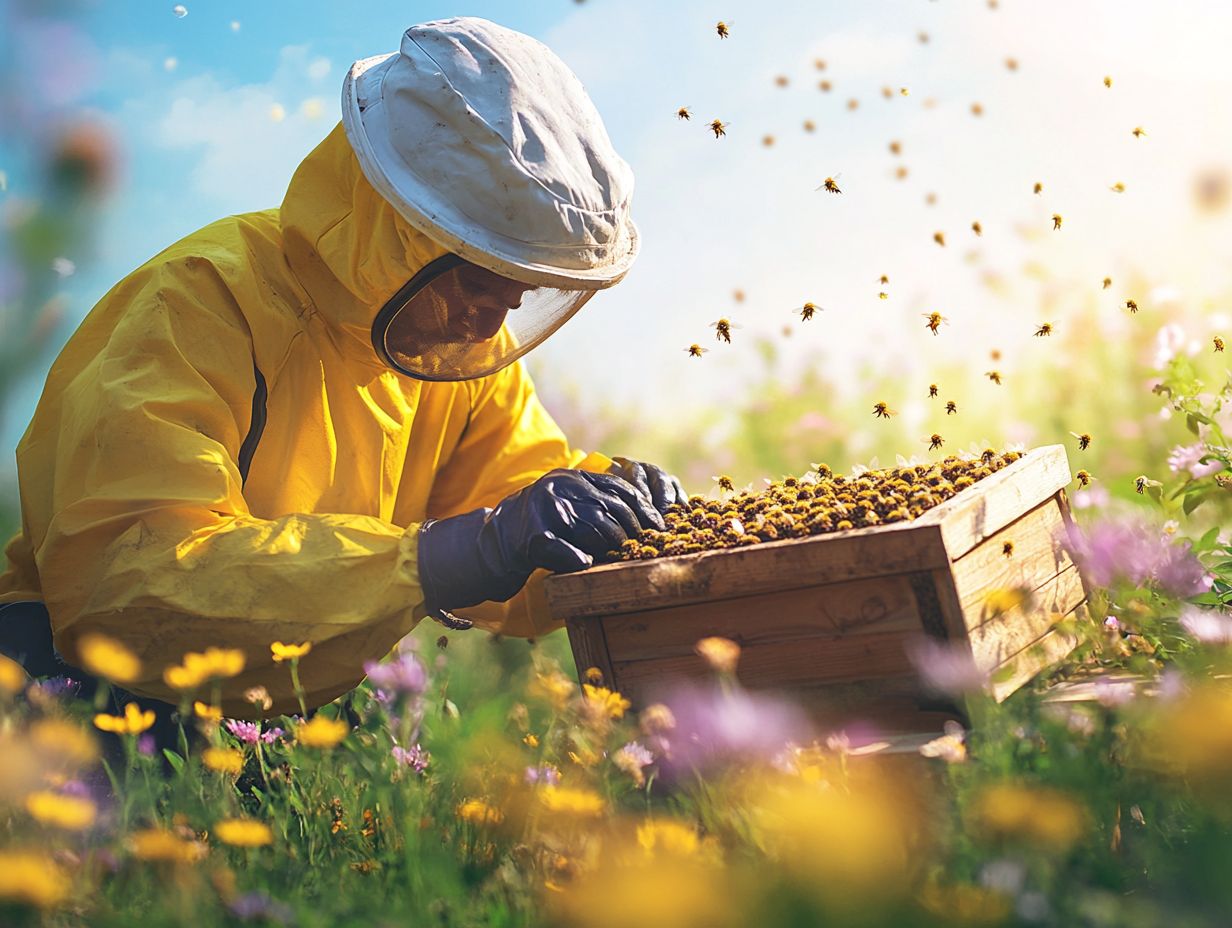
135	519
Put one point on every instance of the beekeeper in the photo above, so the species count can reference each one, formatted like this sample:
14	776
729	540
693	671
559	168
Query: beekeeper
311	423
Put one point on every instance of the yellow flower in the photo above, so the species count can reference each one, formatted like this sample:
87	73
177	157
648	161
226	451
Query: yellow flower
321	732
580	802
666	836
207	712
1003	599
31	878
1192	737
1037	815
12	676
158	844
287	652
243	832
720	653
609	703
198	668
63	743
478	812
531	740
71	813
224	760
133	722
555	687
964	904
106	657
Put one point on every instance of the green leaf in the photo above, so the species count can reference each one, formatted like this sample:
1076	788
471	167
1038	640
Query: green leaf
1193	501
174	759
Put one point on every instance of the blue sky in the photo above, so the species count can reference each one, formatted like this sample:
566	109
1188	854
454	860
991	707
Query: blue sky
735	213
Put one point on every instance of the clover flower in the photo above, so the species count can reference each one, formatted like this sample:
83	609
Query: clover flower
1189	458
404	675
414	757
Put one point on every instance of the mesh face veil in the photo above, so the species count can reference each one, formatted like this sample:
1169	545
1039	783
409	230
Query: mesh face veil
457	321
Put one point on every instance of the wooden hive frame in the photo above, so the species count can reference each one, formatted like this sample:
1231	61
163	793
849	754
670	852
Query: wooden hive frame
831	618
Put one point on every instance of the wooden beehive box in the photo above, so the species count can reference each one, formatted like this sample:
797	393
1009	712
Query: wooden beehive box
830	618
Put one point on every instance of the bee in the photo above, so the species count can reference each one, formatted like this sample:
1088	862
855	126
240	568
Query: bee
994	376
935	321
884	279
1139	132
977	109
819	64
939	238
696	351
442	642
1218	343
887	92
930	198
853	104
738	295
935	441
780	80
1131	305
1142	482
995	354
1056	221
767	140
951	408
718	127
725	483
1107	282
896	148
1107	80
722	329
829	185
824	86
904	92
977	228
900	172
883	295
932	390
1039	188
988	456
1118	187
1044	329
721	28
1011	64
684	113
808	310
809	125
882	410
1008	549
1084	440
1084	478
923	37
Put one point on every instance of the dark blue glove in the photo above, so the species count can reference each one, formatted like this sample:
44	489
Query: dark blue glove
561	522
652	481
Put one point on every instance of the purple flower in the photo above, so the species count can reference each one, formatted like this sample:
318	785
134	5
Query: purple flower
1207	625
146	745
246	732
1189	457
404	675
946	668
414	757
1130	551
716	726
269	736
545	774
55	687
259	905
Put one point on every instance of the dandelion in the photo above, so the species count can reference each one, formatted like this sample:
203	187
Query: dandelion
289	652
605	702
582	803
224	760
243	832
72	813
478	812
105	657
133	722
31	878
200	668
721	654
321	732
206	712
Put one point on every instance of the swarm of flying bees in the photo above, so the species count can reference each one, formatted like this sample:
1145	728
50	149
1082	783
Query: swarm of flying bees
818	503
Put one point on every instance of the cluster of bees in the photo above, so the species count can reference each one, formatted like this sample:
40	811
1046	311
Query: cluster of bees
818	503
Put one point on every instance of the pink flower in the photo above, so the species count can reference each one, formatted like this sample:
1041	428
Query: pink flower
1129	551
1189	457
1207	625
946	668
404	675
414	757
717	726
246	732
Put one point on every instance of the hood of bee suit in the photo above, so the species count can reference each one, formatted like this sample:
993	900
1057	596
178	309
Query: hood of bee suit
347	246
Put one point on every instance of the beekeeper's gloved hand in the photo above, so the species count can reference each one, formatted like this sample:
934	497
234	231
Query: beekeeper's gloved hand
561	522
660	487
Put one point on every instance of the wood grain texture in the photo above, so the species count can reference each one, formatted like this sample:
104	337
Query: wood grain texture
996	501
780	664
1040	553
635	586
998	640
588	641
855	607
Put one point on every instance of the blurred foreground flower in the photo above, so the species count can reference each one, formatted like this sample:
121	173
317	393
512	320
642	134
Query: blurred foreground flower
72	813
161	845
1131	551
289	652
718	725
107	658
199	668
13	676
223	760
478	812
243	832
133	722
946	668
1191	736
1189	458
32	878
580	803
404	675
1210	626
63	743
721	654
1039	816
321	732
